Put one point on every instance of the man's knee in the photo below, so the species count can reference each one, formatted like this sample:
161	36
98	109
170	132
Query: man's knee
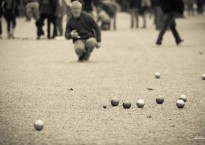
91	43
79	48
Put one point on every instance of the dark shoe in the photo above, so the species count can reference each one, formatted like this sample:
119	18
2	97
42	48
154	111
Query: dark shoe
81	58
179	41
159	42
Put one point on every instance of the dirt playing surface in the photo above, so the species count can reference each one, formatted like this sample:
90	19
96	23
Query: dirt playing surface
43	80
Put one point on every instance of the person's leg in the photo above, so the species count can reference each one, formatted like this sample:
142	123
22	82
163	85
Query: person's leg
159	18
39	25
57	25
89	46
175	33
115	22
13	22
8	23
53	21
132	17
50	20
0	27
61	25
79	46
144	17
167	20
137	18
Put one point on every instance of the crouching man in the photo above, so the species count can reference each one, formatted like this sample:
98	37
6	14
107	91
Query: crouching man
84	32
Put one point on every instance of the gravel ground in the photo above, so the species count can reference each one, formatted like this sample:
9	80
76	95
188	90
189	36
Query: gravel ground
36	78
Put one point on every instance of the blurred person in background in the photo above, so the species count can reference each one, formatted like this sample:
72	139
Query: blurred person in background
134	6
47	11
111	9
200	6
59	13
10	12
158	14
145	7
190	7
84	32
103	18
32	9
170	9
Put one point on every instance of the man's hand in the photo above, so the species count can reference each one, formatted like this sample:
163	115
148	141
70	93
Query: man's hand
98	45
74	34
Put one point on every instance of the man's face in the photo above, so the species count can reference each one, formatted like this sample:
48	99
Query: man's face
76	11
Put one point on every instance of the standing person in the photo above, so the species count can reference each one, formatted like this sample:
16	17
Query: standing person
190	6
10	11
47	10
84	32
170	8
134	12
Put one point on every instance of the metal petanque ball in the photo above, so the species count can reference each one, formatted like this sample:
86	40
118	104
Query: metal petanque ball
126	104
157	75
115	101
183	97
160	100
38	125
203	77
140	103
180	103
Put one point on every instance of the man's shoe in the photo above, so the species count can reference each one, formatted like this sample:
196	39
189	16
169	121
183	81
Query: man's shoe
158	42
81	58
179	41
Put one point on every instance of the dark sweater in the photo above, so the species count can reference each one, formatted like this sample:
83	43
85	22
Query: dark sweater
47	6
172	6
85	26
135	4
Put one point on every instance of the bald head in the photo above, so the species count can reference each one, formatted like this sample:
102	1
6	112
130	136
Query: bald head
76	4
76	9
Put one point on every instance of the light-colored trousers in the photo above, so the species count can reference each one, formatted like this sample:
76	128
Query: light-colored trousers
85	46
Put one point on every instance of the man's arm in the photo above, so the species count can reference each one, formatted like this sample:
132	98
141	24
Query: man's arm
95	26
68	30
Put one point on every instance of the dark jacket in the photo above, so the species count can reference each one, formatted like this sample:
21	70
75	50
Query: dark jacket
85	26
172	6
47	6
135	4
10	7
155	3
